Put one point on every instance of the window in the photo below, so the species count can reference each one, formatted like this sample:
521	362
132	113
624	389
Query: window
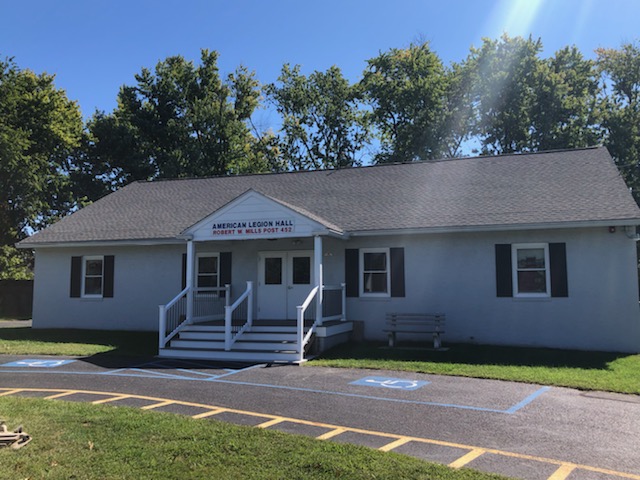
531	269
374	263
207	276
92	276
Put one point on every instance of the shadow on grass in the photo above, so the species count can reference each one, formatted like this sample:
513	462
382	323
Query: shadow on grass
121	342
466	354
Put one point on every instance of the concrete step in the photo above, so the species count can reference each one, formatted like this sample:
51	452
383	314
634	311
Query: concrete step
263	346
221	355
247	336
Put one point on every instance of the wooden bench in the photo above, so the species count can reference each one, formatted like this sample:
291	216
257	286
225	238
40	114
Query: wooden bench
432	323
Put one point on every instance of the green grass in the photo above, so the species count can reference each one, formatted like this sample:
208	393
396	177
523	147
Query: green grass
613	372
27	341
82	441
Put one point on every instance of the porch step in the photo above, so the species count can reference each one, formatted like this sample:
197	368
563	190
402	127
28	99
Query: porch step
247	336
222	355
263	346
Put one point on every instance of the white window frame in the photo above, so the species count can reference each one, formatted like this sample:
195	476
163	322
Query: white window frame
85	259
514	265
197	272
387	252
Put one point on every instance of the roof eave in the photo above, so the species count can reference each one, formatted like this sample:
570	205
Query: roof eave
497	228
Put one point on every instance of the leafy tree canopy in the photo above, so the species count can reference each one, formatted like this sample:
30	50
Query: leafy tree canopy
181	120
322	125
39	128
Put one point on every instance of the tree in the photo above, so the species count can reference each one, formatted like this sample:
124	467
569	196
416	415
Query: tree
406	92
322	126
504	92
621	109
181	120
564	112
39	129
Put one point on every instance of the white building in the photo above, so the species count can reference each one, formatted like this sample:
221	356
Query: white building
529	250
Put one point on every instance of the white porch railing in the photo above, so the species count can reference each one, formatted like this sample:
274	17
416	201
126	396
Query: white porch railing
301	310
334	302
334	307
238	317
208	305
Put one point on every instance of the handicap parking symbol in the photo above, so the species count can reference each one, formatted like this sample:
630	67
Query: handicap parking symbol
35	363
391	383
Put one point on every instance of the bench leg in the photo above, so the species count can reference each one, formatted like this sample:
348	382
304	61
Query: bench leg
436	341
392	339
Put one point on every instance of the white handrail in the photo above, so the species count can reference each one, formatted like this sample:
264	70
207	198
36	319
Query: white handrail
302	338
163	338
229	339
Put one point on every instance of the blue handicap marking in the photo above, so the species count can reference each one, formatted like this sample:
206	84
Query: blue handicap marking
393	383
35	363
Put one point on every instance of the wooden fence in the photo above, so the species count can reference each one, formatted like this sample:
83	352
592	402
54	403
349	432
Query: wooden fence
16	298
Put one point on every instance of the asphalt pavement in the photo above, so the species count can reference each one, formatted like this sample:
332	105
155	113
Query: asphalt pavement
516	429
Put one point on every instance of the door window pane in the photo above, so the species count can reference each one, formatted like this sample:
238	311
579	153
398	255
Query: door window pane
273	271
301	270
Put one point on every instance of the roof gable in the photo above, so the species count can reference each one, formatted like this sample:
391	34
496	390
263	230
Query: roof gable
253	215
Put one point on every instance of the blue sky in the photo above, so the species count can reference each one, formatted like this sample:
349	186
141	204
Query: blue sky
95	46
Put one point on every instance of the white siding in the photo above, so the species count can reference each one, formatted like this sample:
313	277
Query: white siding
452	273
455	274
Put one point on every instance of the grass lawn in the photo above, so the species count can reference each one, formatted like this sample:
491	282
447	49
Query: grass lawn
613	372
26	341
82	441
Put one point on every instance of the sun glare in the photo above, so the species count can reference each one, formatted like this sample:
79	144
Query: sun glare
514	17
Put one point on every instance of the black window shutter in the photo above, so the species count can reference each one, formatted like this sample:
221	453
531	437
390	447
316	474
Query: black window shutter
558	267
184	271
107	291
76	277
397	272
225	268
351	272
504	279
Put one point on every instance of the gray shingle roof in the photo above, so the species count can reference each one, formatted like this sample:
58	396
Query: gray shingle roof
549	188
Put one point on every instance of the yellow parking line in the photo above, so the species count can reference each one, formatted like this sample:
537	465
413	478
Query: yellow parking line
331	434
336	430
157	405
209	413
469	457
62	394
563	472
115	398
11	392
273	421
395	444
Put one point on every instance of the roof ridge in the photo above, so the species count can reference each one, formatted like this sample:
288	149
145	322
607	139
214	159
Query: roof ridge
377	165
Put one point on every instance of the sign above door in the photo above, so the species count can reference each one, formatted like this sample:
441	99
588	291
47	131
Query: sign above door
253	216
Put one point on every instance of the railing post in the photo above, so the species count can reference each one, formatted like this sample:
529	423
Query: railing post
250	304
227	295
344	302
317	255
300	312
162	328
227	328
189	274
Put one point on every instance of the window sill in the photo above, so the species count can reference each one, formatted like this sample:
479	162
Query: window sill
531	299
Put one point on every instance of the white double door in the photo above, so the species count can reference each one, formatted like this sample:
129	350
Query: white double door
284	281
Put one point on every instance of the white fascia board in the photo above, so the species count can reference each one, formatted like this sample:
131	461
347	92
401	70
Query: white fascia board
497	228
103	243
